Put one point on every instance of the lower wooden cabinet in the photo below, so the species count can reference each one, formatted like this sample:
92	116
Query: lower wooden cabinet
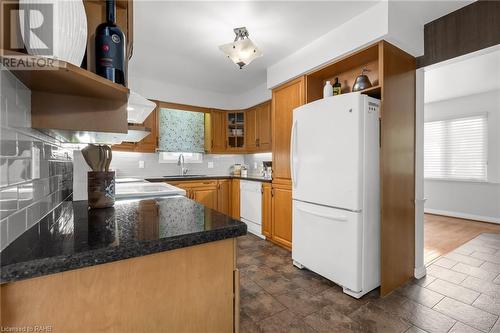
213	194
267	210
235	199
224	196
278	228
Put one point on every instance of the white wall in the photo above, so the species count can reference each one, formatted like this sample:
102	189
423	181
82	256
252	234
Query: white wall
474	200
356	33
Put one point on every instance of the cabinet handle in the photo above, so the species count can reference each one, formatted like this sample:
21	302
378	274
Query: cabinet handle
272	192
262	189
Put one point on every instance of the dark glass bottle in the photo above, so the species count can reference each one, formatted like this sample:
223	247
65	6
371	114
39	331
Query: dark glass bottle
337	87
110	47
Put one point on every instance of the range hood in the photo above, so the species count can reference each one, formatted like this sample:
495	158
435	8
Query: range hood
135	134
138	108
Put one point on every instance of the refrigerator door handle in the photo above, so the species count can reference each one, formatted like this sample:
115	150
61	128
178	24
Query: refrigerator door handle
293	148
341	218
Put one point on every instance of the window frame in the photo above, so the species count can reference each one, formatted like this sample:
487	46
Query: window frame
485	116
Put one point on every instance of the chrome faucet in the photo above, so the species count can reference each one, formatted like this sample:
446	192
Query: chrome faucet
180	162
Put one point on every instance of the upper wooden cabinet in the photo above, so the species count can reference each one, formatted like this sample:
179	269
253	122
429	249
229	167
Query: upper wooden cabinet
264	137
285	99
258	128
235	130
218	126
251	131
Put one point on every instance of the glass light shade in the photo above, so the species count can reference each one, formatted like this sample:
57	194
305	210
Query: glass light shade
241	52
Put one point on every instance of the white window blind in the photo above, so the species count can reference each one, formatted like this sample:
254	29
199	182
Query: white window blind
456	148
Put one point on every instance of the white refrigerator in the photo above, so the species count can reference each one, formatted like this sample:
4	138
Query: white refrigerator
336	190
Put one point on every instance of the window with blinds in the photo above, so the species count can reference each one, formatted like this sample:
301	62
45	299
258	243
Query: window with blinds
456	148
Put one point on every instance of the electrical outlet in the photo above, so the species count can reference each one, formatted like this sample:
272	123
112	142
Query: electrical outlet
141	164
210	165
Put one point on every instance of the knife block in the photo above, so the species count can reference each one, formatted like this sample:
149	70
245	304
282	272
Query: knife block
101	189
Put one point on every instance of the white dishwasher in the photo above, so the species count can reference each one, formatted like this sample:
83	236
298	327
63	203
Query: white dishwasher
251	206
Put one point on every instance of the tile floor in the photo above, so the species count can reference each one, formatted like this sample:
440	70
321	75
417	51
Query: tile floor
461	293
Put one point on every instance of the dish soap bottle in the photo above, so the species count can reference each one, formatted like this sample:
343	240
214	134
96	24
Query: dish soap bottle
327	89
337	87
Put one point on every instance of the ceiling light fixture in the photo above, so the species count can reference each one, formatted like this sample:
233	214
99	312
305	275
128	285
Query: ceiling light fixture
242	51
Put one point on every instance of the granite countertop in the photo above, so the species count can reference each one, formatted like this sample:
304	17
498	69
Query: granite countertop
74	237
205	177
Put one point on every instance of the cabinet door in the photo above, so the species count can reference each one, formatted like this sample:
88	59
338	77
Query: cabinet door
285	99
149	143
264	127
218	131
266	210
251	129
205	195
235	199
282	214
224	196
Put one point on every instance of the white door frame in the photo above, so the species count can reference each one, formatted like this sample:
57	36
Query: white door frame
420	270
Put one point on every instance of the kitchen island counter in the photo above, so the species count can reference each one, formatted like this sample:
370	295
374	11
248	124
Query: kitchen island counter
80	237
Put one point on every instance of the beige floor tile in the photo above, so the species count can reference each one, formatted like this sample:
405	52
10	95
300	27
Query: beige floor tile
485	287
474	271
462	328
445	262
446	274
301	302
454	291
488	304
425	318
420	295
465	259
467	314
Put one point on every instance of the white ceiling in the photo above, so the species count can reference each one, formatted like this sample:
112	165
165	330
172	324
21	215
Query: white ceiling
474	75
177	42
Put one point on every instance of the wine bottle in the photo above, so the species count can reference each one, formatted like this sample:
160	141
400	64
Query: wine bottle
337	87
110	47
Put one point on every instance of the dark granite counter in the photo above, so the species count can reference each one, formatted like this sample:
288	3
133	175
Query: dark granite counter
188	177
74	237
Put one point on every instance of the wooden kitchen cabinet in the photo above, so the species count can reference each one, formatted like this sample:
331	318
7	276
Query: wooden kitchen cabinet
224	196
205	195
267	210
281	229
258	128
149	143
235	199
285	98
264	127
218	119
251	131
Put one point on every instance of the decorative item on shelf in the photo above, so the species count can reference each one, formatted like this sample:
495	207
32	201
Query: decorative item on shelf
61	29
242	51
100	181
362	81
337	87
110	47
327	89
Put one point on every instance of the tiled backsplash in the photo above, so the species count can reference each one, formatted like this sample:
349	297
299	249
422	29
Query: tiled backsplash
127	165
36	174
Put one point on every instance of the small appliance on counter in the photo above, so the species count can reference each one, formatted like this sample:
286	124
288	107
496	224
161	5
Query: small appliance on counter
267	171
235	170
244	171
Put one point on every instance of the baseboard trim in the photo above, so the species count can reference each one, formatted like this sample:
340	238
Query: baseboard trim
463	215
420	272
